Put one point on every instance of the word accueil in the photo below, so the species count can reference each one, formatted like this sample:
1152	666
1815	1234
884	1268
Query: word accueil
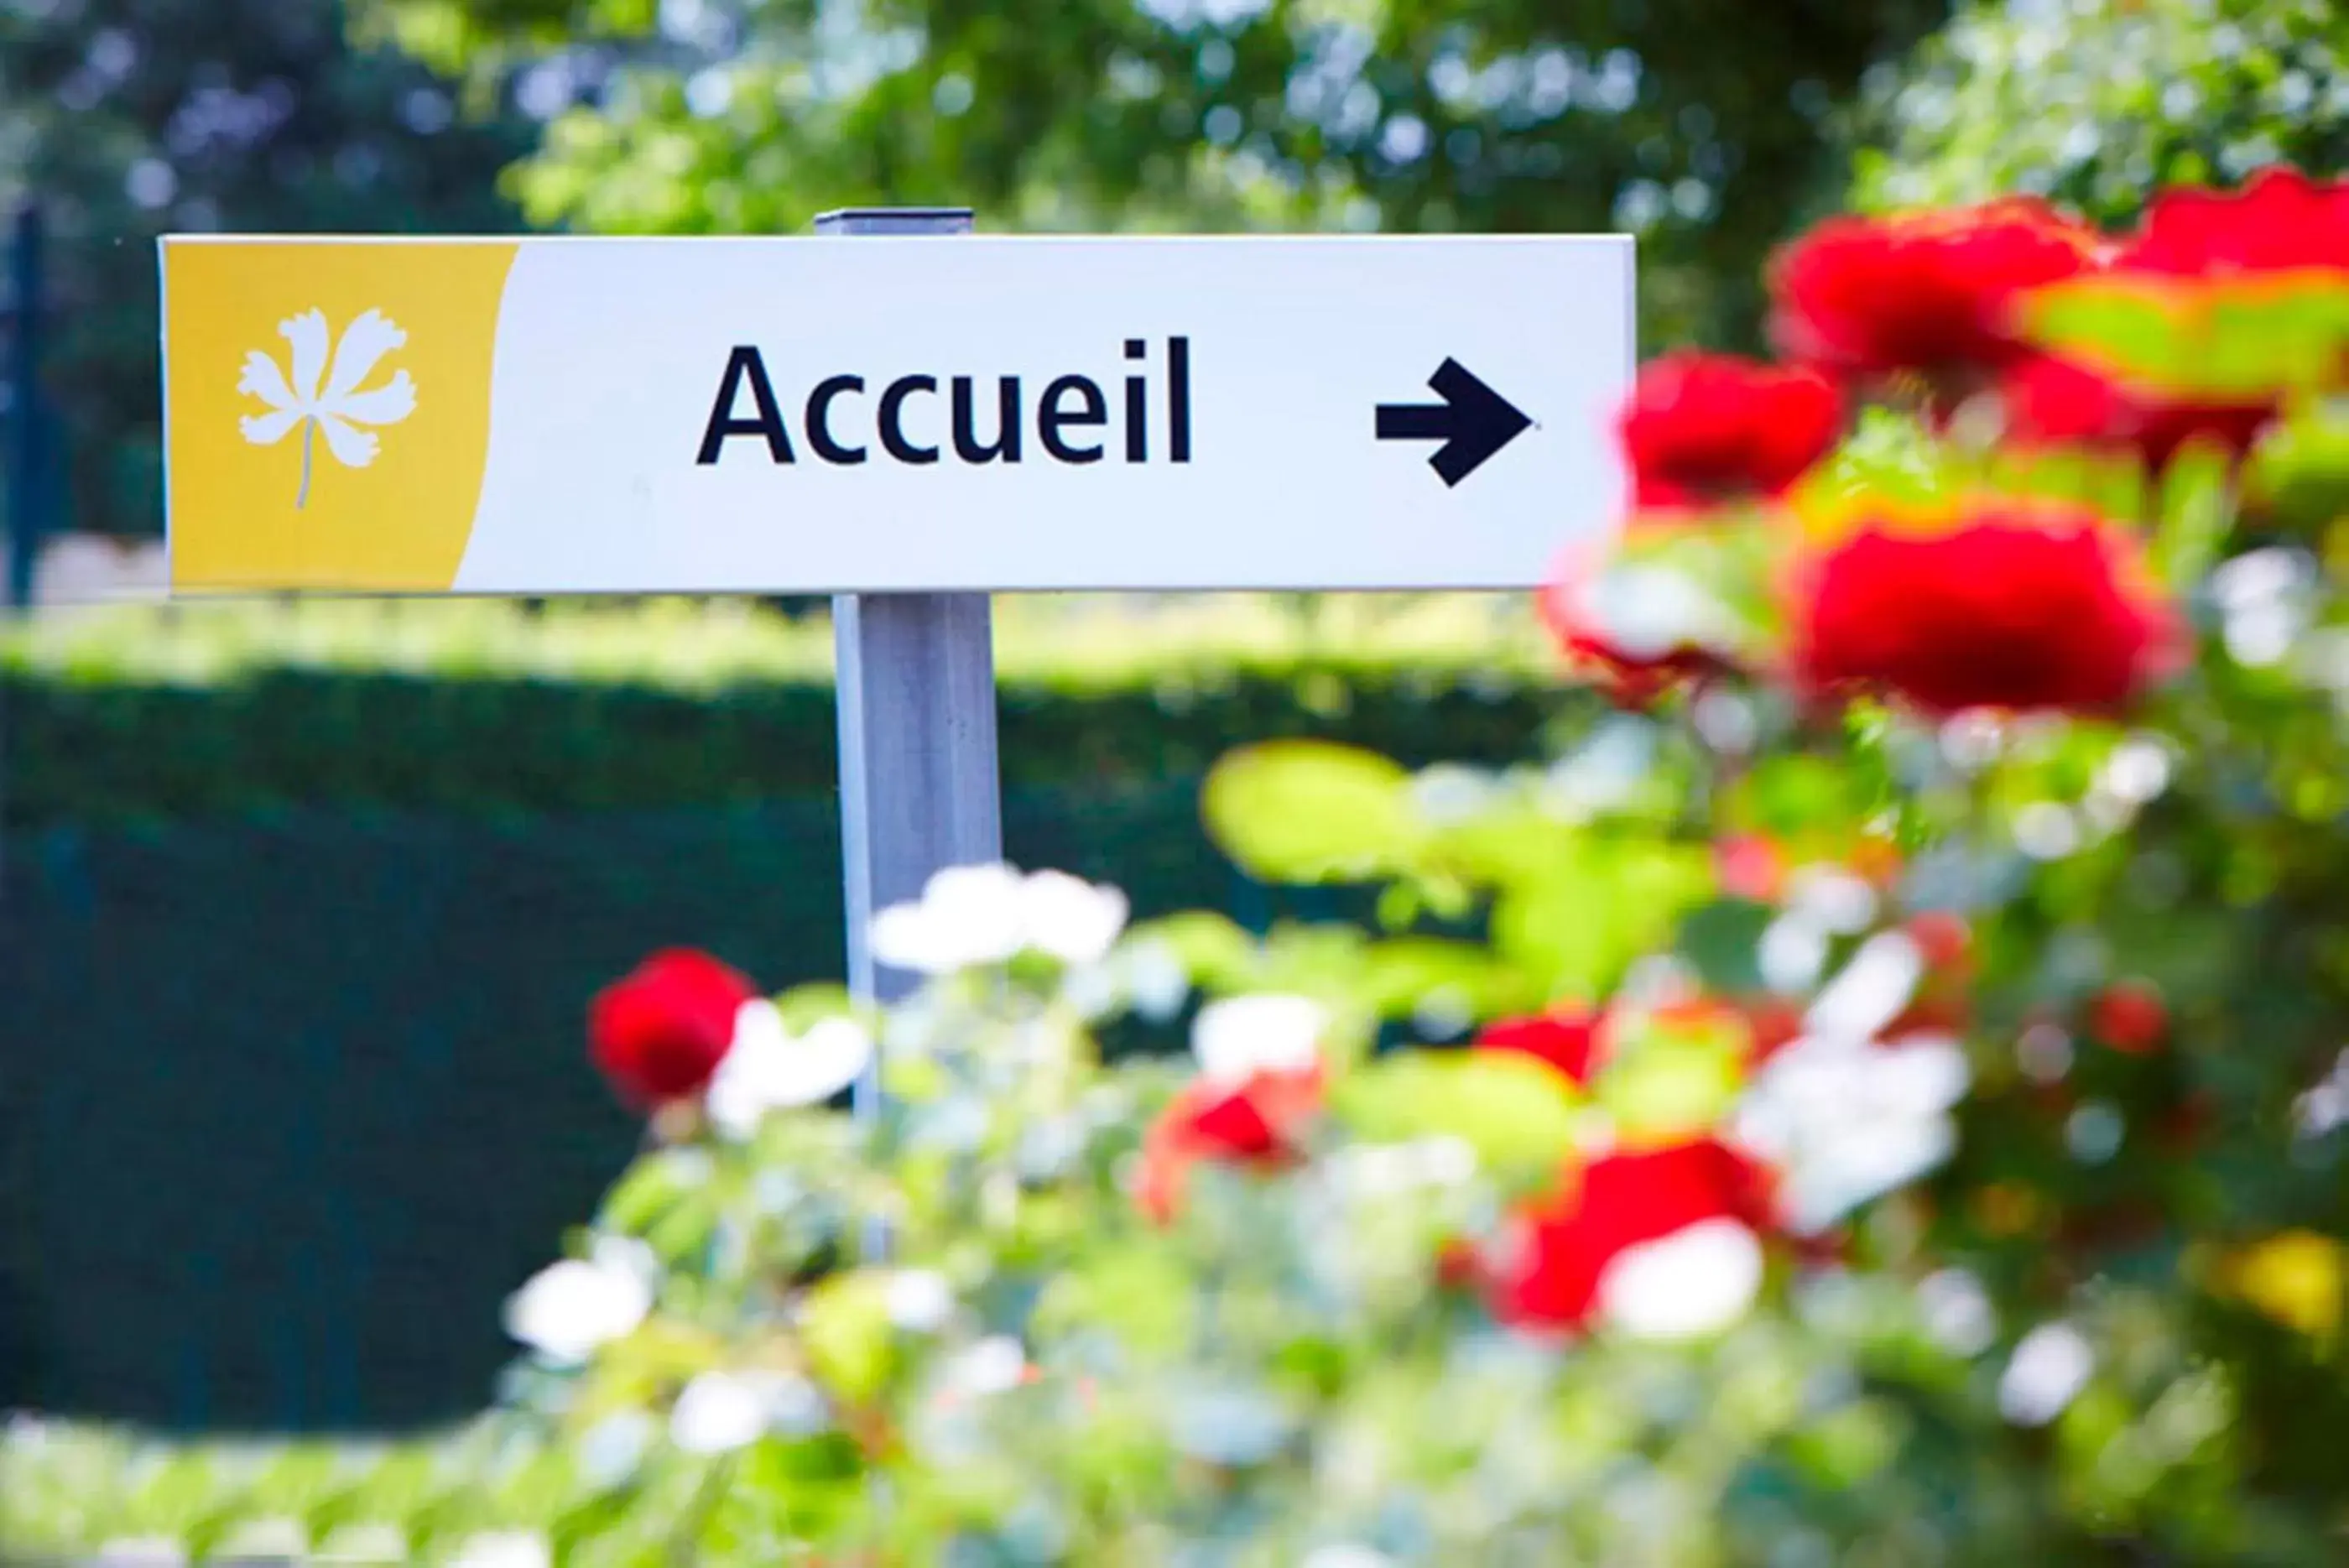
1071	415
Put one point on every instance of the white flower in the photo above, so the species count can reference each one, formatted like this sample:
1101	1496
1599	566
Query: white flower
768	1068
1235	1036
994	1365
1647	611
503	1549
1347	1557
569	1310
1068	918
1697	1280
333	409
721	1411
919	1300
1870	991
1832	899
1792	952
967	916
1957	1310
1156	980
2050	1367
971	916
1847	1119
611	1449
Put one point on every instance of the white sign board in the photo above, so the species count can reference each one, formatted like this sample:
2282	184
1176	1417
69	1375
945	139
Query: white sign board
822	414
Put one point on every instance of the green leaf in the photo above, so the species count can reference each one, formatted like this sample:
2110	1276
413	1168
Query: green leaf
1724	941
2299	473
2239	339
1597	908
1141	1291
803	1005
651	1189
1517	1113
1673	1074
845	1328
2194	516
1313	811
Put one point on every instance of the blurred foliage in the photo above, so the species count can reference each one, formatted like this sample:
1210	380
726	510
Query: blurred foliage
145	713
1698	125
129	119
2096	103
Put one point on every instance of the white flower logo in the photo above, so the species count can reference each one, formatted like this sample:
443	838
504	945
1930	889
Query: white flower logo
335	408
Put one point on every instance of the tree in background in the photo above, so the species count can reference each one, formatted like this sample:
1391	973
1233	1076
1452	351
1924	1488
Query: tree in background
2095	103
135	118
1699	125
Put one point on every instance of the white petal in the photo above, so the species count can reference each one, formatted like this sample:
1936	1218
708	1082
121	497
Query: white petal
1696	1280
307	334
920	1300
765	1068
1831	897
352	448
610	1450
369	338
1832	1173
385	405
720	1412
1649	611
1155	979
568	1309
1238	1035
1922	1075
1070	918
1871	990
2050	1367
1347	1557
991	1366
1791	953
976	910
503	1549
968	916
1957	1310
262	378
269	428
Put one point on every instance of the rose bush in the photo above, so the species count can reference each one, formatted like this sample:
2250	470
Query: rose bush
1878	1097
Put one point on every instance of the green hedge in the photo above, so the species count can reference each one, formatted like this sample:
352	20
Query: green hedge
163	713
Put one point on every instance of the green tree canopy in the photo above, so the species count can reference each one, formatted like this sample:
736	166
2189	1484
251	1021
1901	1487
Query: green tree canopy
129	119
2098	102
1699	125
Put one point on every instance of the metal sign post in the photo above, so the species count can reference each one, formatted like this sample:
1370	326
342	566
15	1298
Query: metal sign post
915	683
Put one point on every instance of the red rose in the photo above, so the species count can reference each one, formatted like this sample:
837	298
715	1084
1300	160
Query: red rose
1926	292
1564	1245
2280	220
2053	401
661	1031
1710	427
1567	1041
2017	607
1748	865
1945	940
1254	1123
2129	1015
1771	1023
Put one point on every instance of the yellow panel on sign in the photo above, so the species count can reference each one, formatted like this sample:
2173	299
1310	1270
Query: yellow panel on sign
328	409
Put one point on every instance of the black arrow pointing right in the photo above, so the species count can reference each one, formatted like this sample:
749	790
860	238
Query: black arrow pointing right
1472	422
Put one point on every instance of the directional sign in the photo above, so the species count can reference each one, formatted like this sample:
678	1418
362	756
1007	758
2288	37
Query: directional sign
820	414
1473	421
